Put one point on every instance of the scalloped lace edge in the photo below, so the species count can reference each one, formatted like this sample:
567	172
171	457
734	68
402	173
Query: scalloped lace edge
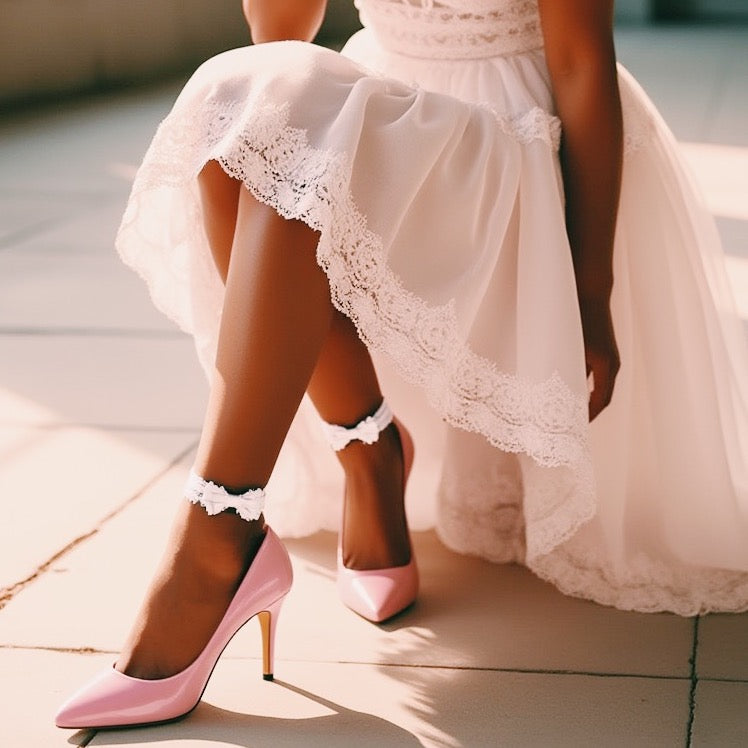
648	586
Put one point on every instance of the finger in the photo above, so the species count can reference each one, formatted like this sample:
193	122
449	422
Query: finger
602	390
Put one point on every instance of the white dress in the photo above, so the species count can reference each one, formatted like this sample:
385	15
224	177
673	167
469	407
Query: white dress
426	156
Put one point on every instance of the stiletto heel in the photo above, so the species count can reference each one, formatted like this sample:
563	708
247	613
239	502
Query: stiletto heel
114	699
268	622
376	594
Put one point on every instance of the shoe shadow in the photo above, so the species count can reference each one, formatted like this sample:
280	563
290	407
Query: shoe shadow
341	728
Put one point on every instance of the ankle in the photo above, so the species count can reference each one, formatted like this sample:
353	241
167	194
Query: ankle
365	461
220	546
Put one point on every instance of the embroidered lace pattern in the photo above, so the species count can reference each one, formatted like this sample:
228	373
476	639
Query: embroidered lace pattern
215	499
366	431
647	585
454	29
538	124
535	124
638	122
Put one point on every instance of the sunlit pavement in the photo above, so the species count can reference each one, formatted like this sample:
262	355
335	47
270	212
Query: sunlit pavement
100	405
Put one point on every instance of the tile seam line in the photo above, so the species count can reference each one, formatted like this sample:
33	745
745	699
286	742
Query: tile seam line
530	671
92	332
21	236
410	666
105	427
26	233
694	678
8	593
70	193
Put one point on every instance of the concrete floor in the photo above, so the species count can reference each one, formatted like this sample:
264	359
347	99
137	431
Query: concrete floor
100	405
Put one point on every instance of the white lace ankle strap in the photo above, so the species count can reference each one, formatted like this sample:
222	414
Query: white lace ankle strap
214	498
366	431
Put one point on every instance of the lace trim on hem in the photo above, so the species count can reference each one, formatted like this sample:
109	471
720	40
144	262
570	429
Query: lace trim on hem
649	586
481	514
701	592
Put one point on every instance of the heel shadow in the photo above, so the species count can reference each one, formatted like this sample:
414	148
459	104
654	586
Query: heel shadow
341	729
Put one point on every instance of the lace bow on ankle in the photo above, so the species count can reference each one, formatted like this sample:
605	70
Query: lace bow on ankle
366	431
215	499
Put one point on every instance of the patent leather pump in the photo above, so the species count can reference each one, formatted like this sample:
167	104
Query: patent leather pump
114	699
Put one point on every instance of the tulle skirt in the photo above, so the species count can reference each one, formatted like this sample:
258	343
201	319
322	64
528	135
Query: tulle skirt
437	194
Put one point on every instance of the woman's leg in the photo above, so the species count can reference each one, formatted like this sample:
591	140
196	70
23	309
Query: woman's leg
344	389
276	317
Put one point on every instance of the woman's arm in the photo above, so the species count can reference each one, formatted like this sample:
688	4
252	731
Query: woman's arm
581	61
278	20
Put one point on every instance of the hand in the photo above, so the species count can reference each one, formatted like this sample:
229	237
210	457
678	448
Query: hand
600	353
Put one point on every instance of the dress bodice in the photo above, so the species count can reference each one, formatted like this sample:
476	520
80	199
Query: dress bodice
453	29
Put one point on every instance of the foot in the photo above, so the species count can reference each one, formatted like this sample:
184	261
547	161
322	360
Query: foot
206	559
375	531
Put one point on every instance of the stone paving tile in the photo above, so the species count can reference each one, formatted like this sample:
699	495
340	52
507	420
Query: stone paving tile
125	382
44	468
345	705
34	684
95	589
22	215
721	172
63	291
720	715
89	227
87	144
723	648
471	613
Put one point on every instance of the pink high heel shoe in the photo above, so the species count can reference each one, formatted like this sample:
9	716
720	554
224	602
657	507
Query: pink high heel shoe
114	699
376	594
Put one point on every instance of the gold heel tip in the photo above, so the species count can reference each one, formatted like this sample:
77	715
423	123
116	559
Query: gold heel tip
267	676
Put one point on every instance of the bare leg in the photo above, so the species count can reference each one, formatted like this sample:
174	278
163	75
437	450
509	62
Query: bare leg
276	316
344	389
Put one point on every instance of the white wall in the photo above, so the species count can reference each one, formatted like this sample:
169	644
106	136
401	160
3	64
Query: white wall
61	46
637	11
54	47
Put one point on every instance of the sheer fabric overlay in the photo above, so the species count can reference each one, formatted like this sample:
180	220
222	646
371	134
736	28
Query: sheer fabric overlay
473	318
